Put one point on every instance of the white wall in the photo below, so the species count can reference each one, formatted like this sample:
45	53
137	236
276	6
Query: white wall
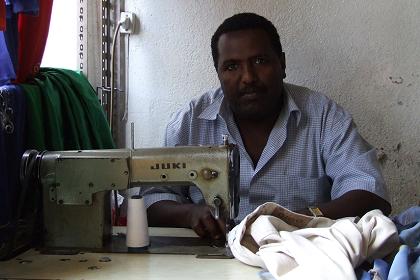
363	54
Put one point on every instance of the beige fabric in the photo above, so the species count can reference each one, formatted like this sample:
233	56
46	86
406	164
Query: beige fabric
295	246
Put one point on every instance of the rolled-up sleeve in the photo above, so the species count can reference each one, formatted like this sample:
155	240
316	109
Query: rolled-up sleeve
154	194
350	161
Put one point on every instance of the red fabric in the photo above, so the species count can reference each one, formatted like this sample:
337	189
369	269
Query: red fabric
33	34
2	15
122	221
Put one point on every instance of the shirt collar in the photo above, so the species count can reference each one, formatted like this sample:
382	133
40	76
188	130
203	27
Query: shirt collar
220	107
291	105
215	107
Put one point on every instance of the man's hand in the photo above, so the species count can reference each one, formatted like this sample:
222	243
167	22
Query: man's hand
195	216
202	221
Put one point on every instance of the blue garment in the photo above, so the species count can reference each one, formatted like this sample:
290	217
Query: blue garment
399	268
415	267
314	152
7	71
411	236
11	36
407	260
407	218
24	6
379	271
12	137
363	275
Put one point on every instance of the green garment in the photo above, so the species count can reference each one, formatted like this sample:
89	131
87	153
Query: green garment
35	130
64	113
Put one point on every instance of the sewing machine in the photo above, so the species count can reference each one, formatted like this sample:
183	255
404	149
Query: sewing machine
76	185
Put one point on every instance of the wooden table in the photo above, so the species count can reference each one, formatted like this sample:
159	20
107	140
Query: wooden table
33	265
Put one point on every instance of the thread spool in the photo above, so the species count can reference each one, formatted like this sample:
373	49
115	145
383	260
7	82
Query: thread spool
137	238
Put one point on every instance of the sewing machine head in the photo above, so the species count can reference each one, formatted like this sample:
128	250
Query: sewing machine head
76	185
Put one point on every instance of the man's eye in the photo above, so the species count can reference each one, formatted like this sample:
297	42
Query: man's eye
260	60
231	67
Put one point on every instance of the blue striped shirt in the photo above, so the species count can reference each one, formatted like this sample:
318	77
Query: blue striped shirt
314	153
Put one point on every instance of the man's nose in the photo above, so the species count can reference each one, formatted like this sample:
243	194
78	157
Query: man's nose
249	74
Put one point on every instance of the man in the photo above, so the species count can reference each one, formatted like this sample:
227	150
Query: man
297	147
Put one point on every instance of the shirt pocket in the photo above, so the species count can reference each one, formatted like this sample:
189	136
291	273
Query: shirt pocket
292	192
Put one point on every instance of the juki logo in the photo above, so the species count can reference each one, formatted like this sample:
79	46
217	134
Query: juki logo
169	165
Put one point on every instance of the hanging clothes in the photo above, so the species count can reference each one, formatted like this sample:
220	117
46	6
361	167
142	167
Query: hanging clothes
24	6
61	112
65	113
12	123
11	35
2	16
33	34
7	70
12	135
35	129
13	11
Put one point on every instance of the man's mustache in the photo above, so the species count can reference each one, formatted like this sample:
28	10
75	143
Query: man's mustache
251	89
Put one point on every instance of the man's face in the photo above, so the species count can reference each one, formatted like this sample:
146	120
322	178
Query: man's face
251	74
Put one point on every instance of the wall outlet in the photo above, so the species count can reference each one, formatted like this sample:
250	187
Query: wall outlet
127	20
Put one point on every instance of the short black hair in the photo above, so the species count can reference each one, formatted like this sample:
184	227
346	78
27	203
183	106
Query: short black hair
245	21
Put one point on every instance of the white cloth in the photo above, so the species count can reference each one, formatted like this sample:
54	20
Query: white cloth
295	246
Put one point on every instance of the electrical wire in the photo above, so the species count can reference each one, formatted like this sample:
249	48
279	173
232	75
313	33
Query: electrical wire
127	56
111	110
111	95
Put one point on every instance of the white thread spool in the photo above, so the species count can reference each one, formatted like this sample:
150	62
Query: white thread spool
137	238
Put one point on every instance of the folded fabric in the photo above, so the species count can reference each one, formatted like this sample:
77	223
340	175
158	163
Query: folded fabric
294	246
65	113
